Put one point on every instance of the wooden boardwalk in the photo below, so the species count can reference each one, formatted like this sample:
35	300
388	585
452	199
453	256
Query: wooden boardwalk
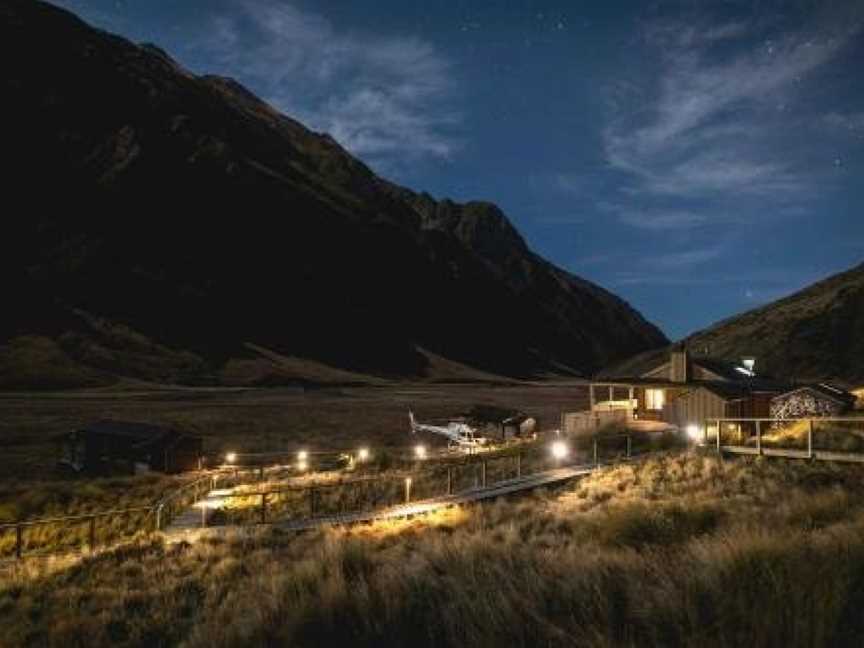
189	526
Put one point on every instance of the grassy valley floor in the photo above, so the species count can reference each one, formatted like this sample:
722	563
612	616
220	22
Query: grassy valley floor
678	549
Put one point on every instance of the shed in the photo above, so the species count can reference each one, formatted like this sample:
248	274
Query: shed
107	446
501	423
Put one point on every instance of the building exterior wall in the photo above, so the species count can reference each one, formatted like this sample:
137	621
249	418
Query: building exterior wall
694	407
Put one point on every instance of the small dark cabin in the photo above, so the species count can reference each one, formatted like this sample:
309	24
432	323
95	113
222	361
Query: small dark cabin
107	447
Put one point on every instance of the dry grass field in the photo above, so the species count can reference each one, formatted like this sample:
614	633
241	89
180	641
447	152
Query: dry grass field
325	420
676	550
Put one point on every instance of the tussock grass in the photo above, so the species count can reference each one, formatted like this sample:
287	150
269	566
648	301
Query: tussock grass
676	550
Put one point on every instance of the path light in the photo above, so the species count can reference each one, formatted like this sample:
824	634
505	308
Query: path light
230	457
560	450
694	432
363	454
420	451
302	456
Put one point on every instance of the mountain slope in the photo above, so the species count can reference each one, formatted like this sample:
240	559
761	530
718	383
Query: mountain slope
189	211
817	333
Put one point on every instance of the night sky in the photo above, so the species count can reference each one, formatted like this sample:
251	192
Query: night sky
698	159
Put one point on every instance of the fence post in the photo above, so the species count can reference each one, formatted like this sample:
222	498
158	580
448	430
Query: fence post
263	508
407	490
629	446
810	439
483	474
596	462
759	437
519	464
311	502
19	541
159	516
449	480
719	429
92	534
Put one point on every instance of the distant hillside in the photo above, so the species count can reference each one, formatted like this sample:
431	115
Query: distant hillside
817	333
184	216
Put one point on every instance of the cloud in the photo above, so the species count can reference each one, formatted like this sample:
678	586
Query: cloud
711	123
853	122
661	219
684	259
383	97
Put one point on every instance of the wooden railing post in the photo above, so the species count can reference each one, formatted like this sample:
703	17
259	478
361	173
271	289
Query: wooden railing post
19	541
263	508
629	446
596	456
407	490
449	480
92	533
759	437
810	438
719	429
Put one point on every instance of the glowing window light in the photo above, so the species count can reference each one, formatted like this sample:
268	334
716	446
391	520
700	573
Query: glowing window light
694	432
559	450
420	451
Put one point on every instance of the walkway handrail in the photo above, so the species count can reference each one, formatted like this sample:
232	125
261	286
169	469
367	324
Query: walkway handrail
71	518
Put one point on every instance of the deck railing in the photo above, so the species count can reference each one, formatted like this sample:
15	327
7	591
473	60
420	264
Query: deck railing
819	438
433	477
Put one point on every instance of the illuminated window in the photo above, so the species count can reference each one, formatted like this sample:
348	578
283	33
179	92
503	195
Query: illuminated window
655	399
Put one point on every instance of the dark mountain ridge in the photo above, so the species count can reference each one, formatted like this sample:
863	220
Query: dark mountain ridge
195	214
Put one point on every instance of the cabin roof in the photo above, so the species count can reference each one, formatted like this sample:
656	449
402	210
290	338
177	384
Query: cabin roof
825	390
138	434
132	430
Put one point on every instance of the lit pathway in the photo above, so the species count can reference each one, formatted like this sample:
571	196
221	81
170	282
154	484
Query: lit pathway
507	487
188	526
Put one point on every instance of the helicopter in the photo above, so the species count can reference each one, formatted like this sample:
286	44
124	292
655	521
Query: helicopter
458	434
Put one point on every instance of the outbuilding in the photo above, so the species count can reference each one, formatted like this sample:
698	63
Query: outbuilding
107	447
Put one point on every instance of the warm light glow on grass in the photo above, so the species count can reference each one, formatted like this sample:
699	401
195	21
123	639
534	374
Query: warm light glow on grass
560	450
420	451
